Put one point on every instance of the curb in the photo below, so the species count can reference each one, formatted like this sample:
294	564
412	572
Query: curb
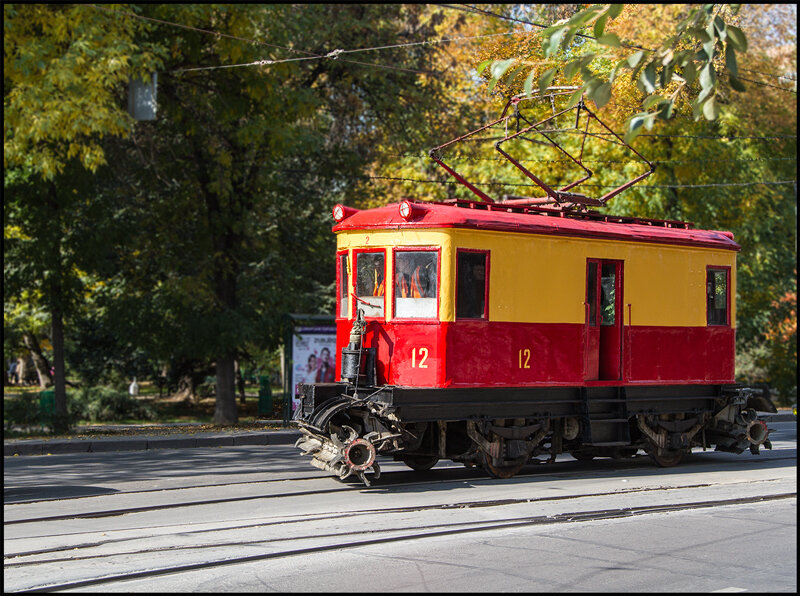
56	446
145	443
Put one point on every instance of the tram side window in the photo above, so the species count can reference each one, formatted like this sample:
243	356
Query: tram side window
343	286
471	284
717	296
416	276
608	286
370	279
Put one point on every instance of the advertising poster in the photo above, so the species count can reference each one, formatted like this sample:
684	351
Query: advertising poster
313	358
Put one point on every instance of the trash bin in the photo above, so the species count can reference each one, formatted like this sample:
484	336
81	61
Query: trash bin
264	396
47	406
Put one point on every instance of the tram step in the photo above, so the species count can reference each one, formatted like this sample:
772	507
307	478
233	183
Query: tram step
611	443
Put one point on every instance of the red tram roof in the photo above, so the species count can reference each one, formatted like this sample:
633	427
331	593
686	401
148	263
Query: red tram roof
533	220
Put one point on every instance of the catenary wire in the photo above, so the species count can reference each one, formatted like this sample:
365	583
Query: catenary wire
713	184
516	184
335	53
614	161
308	55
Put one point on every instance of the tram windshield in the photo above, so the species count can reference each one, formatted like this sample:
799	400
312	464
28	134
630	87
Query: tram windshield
370	280
416	275
344	285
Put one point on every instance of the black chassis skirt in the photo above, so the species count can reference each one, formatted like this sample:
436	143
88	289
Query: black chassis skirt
421	404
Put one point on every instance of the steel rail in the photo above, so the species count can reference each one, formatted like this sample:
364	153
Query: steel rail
472	527
462	473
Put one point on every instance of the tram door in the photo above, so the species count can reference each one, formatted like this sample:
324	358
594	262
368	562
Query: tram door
603	349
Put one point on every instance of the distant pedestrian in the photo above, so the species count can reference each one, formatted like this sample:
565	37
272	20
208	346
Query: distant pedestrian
133	390
12	373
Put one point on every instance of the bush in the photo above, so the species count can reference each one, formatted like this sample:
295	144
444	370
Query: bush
104	404
22	410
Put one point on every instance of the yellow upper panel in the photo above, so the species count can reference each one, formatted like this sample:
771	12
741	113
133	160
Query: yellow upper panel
542	279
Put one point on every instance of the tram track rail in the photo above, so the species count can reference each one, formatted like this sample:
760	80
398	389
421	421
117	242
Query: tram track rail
471	475
596	465
351	514
405	534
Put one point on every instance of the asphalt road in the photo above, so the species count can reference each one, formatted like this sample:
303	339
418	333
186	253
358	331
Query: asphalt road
259	518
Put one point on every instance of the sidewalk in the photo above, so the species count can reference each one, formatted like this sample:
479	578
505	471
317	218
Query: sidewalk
132	437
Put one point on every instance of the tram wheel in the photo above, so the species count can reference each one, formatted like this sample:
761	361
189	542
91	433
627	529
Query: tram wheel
420	463
666	459
501	472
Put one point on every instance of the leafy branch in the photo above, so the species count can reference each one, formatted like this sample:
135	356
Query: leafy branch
702	45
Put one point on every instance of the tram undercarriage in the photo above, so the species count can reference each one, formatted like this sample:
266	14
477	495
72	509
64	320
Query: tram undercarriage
344	428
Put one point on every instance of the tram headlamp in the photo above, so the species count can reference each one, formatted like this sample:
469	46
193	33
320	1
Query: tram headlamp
409	210
340	212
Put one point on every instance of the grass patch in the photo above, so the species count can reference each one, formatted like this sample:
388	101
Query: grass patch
98	406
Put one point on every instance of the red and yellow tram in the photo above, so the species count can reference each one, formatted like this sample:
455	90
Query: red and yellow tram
491	334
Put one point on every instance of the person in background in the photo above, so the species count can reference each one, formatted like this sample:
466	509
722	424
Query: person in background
12	373
325	373
311	367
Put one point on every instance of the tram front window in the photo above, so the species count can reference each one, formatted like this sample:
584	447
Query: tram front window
416	275
344	286
370	280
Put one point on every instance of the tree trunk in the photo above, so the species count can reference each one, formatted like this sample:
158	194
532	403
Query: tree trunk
187	388
224	240
39	361
225	409
22	369
61	419
240	382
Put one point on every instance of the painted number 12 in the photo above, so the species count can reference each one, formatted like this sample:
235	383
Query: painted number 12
423	356
525	358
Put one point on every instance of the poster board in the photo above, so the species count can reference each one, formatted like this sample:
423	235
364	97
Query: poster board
311	357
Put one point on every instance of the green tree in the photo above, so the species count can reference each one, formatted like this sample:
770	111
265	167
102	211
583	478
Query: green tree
64	68
226	197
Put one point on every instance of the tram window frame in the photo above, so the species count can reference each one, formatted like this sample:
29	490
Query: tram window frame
412	309
369	306
591	290
343	284
461	307
716	315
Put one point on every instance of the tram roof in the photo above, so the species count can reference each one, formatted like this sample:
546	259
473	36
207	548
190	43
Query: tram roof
533	220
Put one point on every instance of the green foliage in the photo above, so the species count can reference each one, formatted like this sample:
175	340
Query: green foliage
695	51
105	404
213	221
64	67
22	410
90	404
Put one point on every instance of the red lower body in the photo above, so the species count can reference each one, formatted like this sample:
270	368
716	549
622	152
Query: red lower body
480	353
